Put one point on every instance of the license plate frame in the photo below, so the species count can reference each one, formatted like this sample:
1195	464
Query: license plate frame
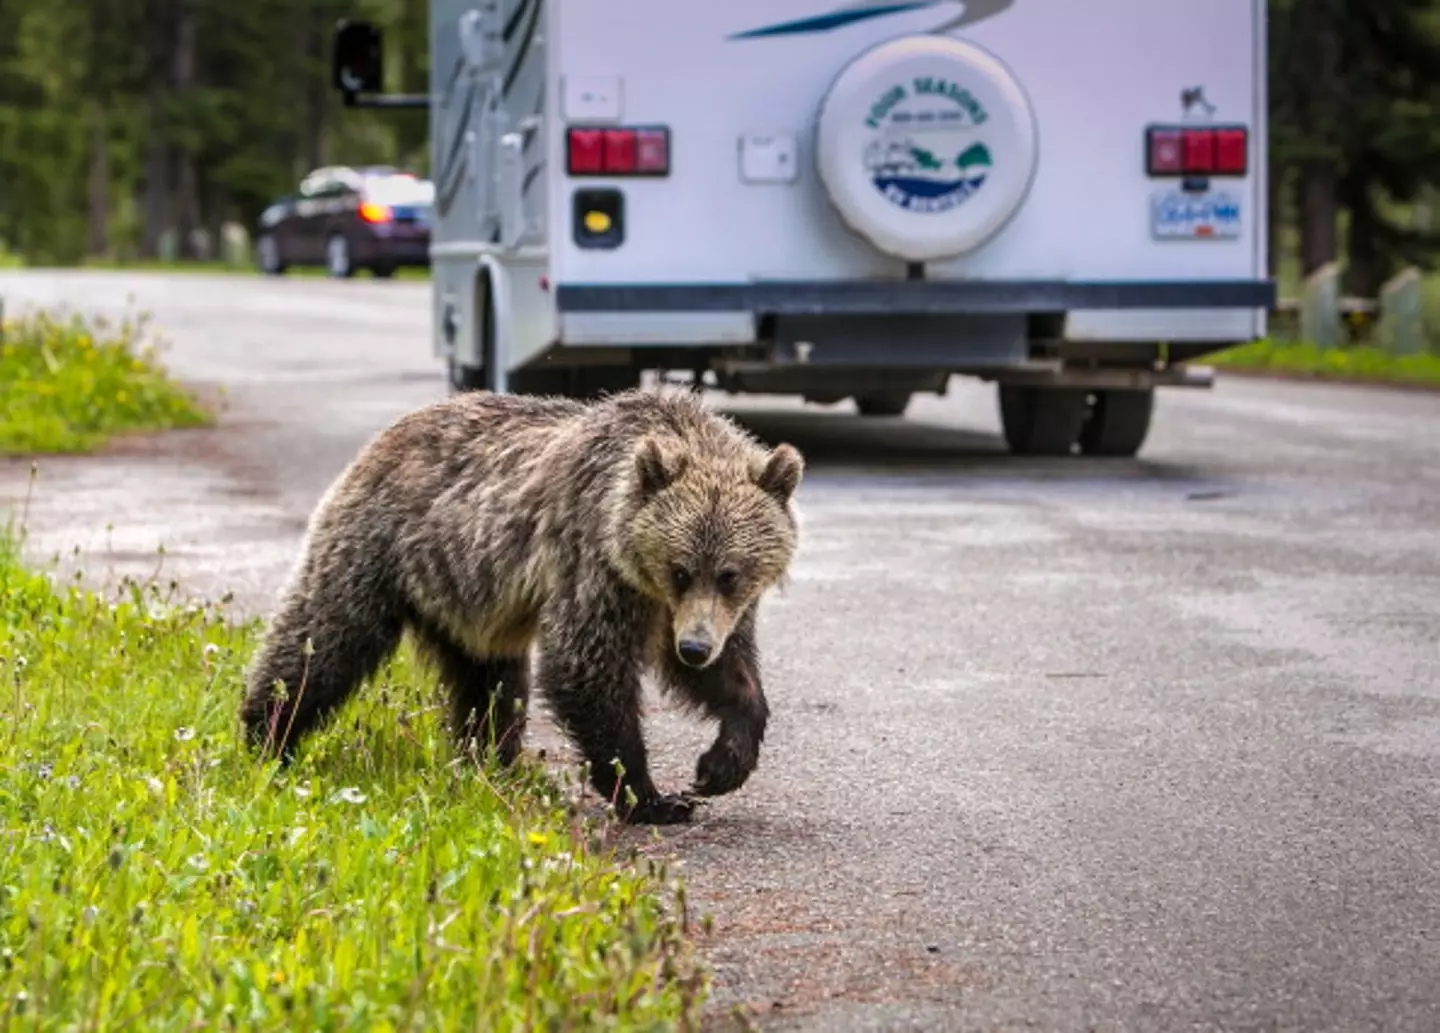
1212	214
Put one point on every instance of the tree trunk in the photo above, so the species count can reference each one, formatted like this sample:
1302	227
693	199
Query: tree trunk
99	185
156	202
186	186
1321	113
1366	268
1274	220
317	91
1319	211
98	79
155	205
412	128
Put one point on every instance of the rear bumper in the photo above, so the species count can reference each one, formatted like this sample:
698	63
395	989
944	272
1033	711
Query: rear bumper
393	251
918	297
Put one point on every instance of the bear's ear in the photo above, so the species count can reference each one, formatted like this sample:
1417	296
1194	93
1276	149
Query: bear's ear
780	475
657	467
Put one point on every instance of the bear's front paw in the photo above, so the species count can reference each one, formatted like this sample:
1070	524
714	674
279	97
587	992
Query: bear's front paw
669	809
722	769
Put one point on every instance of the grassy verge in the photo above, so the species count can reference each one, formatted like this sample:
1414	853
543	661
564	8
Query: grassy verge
68	385
1355	363
155	875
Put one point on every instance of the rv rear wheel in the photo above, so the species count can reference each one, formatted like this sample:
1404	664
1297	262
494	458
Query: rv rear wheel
1042	421
1117	422
465	378
883	403
583	382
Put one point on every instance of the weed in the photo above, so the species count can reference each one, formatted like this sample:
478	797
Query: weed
69	385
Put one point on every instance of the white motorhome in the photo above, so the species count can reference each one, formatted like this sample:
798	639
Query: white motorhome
847	200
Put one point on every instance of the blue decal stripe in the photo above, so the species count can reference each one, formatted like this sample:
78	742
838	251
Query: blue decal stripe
833	20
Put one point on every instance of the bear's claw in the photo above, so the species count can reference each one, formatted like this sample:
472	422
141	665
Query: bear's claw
668	809
720	770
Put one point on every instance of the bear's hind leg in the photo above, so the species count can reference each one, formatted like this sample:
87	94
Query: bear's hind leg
349	639
488	697
729	690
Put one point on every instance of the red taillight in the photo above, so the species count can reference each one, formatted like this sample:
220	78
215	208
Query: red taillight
1198	147
587	151
1197	150
618	151
1165	156
372	212
1232	151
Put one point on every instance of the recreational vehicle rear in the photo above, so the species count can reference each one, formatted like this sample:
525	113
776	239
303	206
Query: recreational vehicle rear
847	200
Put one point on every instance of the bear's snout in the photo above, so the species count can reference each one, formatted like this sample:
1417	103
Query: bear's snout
694	651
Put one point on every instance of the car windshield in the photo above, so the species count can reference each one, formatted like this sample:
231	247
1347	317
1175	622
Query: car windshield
400	190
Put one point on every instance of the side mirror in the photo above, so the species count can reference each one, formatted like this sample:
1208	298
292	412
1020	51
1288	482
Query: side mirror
357	60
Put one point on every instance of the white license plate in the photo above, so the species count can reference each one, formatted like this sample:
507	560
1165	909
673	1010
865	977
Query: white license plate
1213	215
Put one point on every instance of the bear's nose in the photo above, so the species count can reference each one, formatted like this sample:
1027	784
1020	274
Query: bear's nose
693	652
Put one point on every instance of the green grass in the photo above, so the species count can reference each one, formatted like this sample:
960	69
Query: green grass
68	385
1353	362
156	875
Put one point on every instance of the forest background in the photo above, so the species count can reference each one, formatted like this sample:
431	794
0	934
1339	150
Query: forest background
135	130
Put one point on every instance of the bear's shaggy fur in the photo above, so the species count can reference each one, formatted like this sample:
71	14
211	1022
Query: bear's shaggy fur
637	533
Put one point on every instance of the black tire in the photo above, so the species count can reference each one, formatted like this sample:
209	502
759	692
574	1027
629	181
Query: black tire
598	381
475	378
1117	423
883	403
267	255
584	382
1041	421
339	262
465	378
382	272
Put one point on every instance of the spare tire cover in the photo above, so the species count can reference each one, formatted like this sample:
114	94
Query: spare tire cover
927	146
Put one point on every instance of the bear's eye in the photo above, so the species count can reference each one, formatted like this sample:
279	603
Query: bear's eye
727	581
680	578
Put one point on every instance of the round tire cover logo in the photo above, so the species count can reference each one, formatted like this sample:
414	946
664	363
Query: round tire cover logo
926	146
927	152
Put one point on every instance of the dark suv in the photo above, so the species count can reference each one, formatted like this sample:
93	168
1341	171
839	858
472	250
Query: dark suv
344	218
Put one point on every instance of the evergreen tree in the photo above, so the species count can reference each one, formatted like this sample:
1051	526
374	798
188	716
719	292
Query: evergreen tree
1355	130
122	120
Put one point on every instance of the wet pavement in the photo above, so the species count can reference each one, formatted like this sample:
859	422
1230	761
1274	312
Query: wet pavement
1148	744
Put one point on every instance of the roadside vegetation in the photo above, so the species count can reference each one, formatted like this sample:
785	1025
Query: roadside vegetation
70	385
155	874
1353	363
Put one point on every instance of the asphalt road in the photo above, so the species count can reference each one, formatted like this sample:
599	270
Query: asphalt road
1139	745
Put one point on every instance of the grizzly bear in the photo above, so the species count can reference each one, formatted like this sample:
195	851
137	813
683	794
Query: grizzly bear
630	535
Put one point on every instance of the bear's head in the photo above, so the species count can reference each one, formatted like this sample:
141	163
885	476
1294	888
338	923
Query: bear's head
709	535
